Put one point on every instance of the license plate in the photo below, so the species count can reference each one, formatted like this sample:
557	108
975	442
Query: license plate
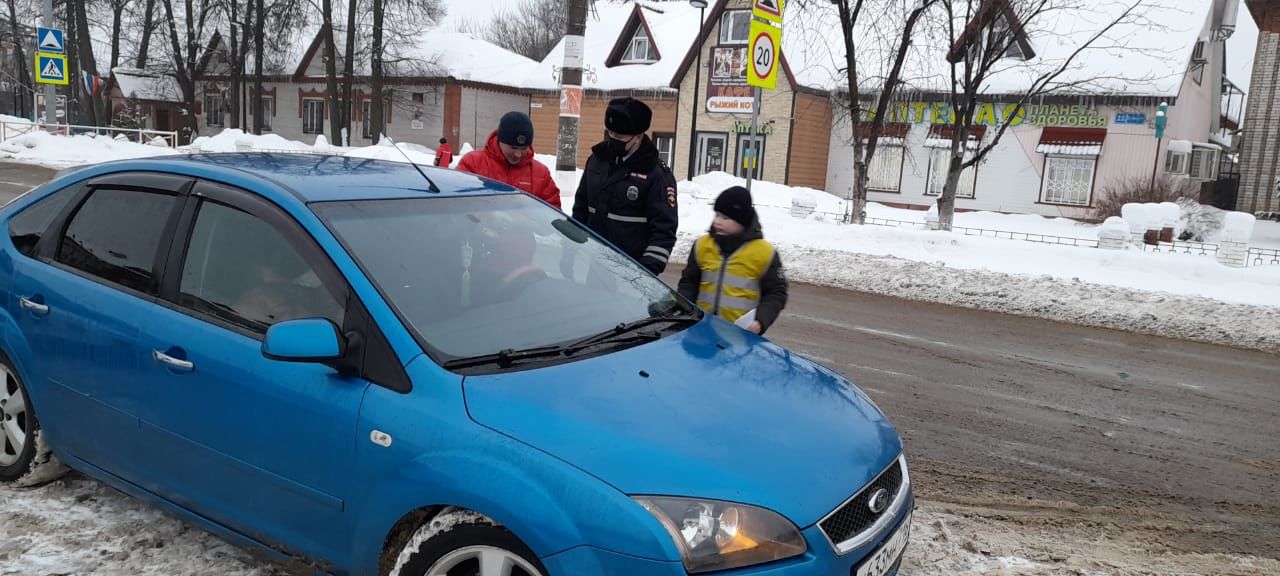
879	563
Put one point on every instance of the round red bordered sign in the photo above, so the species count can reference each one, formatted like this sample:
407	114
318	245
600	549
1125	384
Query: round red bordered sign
763	54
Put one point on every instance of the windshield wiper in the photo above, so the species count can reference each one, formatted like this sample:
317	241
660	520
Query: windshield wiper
508	357
625	327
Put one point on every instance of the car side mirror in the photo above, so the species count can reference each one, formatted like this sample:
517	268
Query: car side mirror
307	340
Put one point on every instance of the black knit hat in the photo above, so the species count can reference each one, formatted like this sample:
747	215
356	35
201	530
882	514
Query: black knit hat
515	129
627	116
735	202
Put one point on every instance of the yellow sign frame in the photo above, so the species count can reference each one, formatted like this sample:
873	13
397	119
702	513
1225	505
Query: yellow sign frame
769	10
41	79
765	42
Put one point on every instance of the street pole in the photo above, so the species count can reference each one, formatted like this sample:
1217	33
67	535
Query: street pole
571	93
753	159
50	95
1162	119
697	84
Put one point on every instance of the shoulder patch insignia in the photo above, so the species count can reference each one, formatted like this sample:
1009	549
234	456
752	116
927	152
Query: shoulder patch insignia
671	196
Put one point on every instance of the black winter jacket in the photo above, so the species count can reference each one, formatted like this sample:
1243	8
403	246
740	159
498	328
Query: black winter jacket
631	203
773	286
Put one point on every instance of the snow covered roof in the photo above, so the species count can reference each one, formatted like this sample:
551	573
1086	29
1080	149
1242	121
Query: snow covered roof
138	84
674	26
1147	55
433	53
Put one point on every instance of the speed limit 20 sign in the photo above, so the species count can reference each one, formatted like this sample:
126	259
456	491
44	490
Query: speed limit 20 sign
766	40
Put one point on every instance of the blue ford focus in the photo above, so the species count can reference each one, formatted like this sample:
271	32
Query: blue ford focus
378	370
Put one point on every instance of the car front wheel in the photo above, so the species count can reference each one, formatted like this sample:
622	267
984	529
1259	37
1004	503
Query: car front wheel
25	458
463	543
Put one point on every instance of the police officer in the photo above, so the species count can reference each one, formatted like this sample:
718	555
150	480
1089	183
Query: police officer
627	194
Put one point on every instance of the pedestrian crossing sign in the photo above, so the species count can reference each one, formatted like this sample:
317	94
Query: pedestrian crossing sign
51	68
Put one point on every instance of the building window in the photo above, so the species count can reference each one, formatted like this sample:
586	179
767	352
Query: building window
213	109
750	160
939	163
313	116
666	144
417	98
268	111
640	51
1068	180
735	27
885	172
1204	164
365	113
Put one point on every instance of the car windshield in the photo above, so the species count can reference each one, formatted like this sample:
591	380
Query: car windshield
481	275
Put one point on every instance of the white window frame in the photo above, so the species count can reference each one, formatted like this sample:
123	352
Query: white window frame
309	104
268	111
640	50
885	171
726	27
213	115
939	162
666	145
1060	198
1176	162
1203	164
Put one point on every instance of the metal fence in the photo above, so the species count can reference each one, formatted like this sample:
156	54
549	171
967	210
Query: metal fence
1257	256
168	137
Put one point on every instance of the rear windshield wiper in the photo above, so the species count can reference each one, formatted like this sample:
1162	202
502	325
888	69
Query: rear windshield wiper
509	357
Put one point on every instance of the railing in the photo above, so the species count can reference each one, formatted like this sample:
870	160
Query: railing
1257	256
12	129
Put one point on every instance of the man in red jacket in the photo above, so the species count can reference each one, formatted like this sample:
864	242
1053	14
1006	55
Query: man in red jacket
508	158
444	154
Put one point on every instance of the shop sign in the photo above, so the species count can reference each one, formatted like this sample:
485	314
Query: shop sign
990	114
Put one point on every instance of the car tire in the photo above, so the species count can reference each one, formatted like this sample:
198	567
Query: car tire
25	457
456	542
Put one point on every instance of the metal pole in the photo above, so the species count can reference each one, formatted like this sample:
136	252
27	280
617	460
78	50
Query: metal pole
1155	164
50	95
697	104
752	158
571	92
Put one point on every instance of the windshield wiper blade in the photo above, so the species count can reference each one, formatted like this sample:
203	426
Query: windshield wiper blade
508	357
625	327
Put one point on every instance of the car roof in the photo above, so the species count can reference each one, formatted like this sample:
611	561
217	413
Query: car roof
324	177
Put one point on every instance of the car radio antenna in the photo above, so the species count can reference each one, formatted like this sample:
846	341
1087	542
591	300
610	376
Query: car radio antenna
430	185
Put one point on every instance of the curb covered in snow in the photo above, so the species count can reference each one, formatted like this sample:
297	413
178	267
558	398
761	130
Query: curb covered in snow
1159	314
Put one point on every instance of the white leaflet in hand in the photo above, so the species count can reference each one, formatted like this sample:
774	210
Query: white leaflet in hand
746	319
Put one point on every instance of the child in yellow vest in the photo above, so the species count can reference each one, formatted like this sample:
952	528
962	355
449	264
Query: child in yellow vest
732	271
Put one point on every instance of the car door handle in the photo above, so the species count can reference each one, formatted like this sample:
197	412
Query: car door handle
173	363
33	306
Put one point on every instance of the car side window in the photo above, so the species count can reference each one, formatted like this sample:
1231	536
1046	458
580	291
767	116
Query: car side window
241	270
29	225
116	234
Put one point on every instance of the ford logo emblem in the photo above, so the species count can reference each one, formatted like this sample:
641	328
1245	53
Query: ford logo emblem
878	501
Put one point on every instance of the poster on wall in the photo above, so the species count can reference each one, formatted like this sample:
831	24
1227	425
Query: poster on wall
727	90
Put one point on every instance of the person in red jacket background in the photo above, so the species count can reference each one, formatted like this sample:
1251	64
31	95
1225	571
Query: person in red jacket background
508	158
444	154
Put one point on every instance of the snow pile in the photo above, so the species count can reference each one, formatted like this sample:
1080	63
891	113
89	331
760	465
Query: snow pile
1237	227
44	149
1199	222
235	140
387	149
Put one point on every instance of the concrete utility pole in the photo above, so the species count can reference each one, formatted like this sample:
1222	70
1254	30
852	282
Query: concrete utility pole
50	94
570	87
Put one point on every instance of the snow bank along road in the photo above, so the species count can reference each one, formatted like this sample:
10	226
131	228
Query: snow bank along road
1037	448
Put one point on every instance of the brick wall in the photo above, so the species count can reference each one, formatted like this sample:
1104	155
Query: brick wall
1259	163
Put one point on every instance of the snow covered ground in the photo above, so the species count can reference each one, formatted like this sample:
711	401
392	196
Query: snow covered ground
77	526
1177	295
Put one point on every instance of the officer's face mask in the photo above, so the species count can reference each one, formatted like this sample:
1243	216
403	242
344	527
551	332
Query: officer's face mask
618	147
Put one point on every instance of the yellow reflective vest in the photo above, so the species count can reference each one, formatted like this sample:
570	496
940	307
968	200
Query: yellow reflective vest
730	285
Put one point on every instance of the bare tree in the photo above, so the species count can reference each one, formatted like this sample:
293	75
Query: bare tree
530	28
331	72
989	37
144	47
19	42
396	45
188	52
259	17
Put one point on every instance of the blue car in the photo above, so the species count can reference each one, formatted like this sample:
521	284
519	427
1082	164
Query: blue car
377	368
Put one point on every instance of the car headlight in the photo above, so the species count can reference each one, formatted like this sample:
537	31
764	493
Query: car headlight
714	535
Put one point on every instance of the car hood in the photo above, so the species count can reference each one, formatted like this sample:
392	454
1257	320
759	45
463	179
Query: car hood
710	412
